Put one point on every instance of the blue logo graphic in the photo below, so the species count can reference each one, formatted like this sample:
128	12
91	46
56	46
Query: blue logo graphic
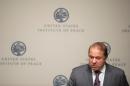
61	15
18	48
60	80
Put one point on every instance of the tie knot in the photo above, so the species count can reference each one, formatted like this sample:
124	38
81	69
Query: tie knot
97	72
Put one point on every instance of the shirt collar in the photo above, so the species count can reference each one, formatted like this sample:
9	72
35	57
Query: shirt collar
103	69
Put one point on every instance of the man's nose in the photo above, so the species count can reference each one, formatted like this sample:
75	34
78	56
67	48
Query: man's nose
94	60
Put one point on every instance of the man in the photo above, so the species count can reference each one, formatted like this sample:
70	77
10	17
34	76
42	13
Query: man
97	72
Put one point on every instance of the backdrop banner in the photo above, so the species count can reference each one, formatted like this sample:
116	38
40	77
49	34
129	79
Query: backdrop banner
41	41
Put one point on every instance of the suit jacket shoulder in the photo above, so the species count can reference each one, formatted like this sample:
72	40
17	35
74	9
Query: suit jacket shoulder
114	69
81	76
114	76
81	67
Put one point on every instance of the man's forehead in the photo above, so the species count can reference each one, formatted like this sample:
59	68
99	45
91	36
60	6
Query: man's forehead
96	48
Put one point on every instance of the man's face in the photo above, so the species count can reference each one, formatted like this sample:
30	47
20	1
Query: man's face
96	58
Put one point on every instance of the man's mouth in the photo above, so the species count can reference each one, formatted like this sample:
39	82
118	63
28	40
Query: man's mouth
94	66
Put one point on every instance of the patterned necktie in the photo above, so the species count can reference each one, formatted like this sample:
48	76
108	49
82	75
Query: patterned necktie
97	82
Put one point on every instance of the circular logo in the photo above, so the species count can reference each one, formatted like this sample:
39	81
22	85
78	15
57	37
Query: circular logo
108	47
18	48
61	15
60	80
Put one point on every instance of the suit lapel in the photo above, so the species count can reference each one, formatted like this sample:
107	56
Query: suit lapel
89	76
107	77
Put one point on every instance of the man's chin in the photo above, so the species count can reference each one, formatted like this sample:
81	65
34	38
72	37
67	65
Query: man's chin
95	69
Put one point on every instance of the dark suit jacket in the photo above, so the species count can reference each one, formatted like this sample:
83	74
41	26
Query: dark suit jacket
82	76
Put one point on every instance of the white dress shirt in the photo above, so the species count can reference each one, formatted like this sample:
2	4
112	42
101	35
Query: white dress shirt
101	75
